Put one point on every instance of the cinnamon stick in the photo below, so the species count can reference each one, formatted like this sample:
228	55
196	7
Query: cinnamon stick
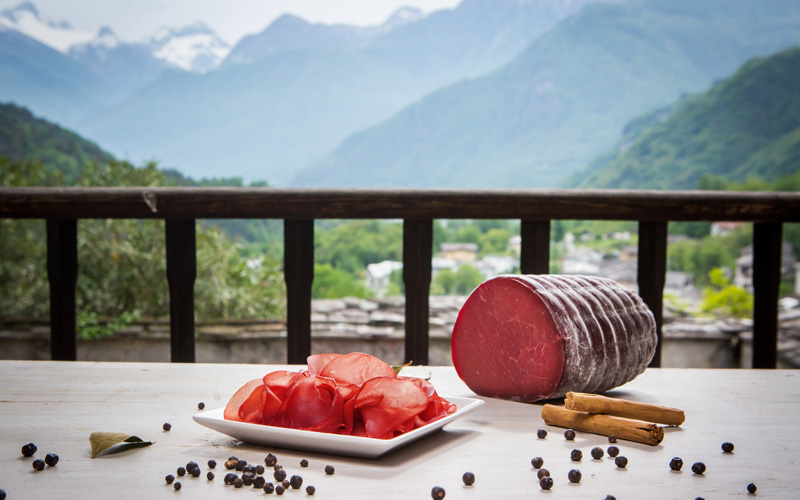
623	428
594	403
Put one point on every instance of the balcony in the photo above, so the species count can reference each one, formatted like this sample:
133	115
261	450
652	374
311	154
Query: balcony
62	208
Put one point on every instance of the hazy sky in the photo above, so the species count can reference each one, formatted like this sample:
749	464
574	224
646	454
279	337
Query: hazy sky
231	19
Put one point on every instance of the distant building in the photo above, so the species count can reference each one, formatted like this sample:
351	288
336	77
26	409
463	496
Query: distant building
743	275
515	244
460	252
723	228
495	265
378	275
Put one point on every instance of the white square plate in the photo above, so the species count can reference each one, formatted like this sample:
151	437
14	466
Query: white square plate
323	442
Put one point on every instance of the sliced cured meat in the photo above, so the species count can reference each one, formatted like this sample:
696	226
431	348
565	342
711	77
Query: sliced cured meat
354	394
388	406
533	337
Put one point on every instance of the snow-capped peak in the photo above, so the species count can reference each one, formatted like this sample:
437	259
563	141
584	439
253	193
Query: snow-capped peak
193	48
401	17
61	36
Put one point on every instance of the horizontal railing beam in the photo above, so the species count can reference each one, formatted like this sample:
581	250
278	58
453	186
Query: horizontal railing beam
278	203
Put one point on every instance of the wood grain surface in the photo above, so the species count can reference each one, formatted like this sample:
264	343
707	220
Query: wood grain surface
57	405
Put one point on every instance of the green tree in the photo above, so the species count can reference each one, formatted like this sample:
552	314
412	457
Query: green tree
330	283
722	297
494	241
121	263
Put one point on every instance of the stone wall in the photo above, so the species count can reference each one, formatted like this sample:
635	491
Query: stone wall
377	327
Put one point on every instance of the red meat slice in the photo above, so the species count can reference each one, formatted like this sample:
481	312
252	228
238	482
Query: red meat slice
356	368
388	406
313	404
527	338
316	362
246	401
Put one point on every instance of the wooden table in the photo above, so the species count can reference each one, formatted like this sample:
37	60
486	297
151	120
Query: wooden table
57	405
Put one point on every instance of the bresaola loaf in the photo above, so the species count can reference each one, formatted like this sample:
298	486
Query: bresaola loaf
533	337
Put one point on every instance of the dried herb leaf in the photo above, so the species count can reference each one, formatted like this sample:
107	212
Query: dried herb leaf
397	368
114	442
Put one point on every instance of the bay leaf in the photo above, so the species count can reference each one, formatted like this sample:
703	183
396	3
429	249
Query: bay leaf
114	442
397	368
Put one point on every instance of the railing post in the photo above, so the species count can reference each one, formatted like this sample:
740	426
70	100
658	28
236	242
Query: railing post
181	273
651	274
417	254
298	272
767	253
62	273
534	255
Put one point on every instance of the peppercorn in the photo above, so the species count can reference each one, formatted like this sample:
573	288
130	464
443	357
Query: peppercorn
574	476
612	451
304	463
699	468
277	467
468	478
597	453
296	482
285	484
621	462
240	465
543	473
230	464
28	450
230	478
569	434
181	471
212	463
329	470
612	439
249	469
169	478
310	490
167	426
238	482
280	475
51	459
201	405
727	447
279	490
2	495
437	493
177	486
751	488
210	476
270	460
195	472
259	482
576	455
269	488
192	464
259	469
38	464
676	464
610	497
546	483
248	479
541	433
537	462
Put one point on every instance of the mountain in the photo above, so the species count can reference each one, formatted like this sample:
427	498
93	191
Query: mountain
564	100
25	18
122	67
46	81
25	137
195	48
745	126
294	97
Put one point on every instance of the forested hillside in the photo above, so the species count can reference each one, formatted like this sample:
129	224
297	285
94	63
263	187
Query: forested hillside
564	100
747	126
25	137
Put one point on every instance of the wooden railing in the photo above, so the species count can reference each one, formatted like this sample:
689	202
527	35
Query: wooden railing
181	207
